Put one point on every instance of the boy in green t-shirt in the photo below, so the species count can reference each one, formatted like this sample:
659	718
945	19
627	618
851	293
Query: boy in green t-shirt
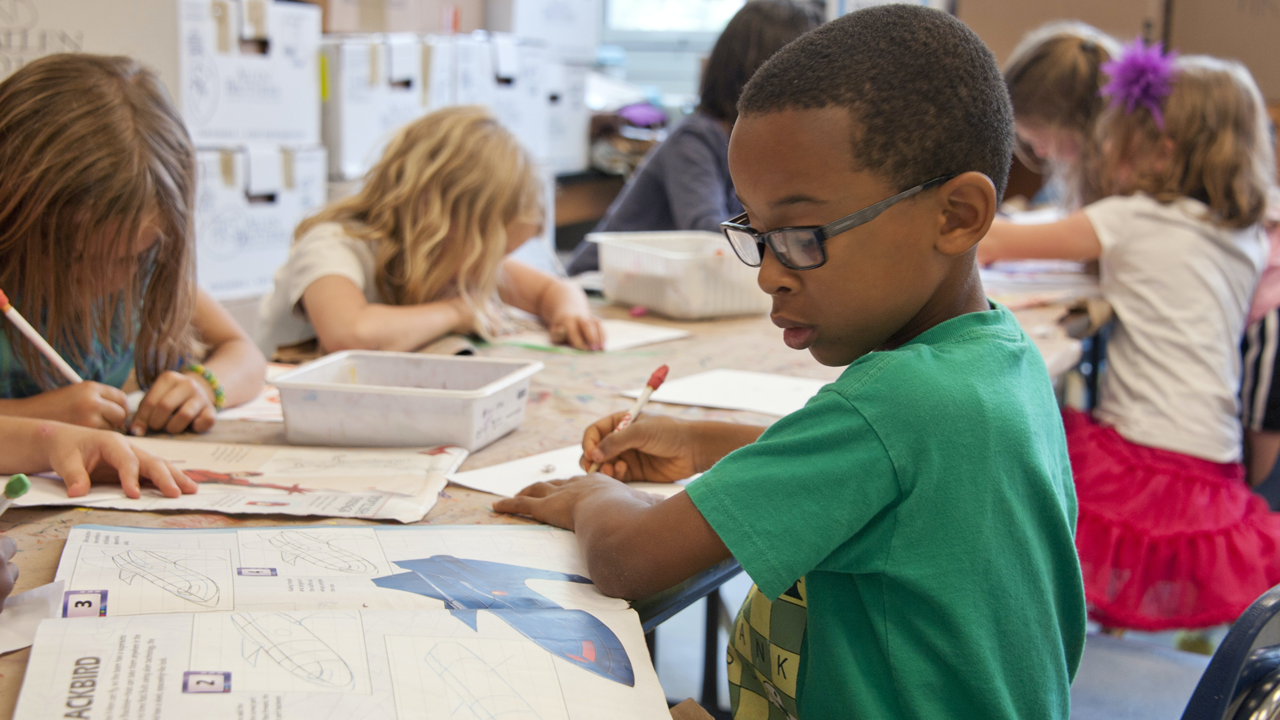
910	530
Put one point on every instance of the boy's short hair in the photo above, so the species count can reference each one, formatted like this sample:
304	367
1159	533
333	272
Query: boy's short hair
926	95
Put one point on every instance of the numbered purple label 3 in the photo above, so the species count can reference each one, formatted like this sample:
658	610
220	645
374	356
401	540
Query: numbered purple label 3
84	603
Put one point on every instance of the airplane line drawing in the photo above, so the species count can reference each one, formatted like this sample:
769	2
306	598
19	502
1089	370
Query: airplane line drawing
294	545
293	647
456	665
168	575
467	586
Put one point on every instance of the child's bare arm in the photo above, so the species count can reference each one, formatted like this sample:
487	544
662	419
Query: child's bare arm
76	453
659	448
1072	238
635	544
179	401
559	303
344	320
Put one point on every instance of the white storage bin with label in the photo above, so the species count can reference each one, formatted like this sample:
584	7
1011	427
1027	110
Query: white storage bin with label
687	275
384	399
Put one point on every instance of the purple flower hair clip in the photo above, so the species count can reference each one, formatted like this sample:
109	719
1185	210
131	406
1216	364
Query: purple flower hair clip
1141	76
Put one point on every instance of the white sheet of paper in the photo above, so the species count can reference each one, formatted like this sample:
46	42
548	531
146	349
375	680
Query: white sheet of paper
1041	216
509	478
618	335
763	393
260	479
264	408
23	612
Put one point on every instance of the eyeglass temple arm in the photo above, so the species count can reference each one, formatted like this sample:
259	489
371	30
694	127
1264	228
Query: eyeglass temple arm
871	212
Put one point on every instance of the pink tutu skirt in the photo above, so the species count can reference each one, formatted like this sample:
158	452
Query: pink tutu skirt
1166	540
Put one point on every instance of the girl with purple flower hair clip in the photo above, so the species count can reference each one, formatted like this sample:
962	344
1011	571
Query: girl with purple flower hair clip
1169	534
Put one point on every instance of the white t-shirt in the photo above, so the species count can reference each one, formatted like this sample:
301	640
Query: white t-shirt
1181	289
325	250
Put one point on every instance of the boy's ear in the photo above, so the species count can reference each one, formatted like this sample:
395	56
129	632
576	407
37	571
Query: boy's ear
968	204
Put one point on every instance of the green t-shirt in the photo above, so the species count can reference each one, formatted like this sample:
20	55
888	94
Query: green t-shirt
910	535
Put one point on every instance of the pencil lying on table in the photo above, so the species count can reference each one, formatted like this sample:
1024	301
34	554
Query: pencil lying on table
45	348
655	382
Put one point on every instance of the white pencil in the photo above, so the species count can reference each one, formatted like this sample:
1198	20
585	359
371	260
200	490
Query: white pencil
16	318
655	382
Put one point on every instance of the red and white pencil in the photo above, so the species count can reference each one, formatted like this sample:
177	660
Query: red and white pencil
45	348
655	382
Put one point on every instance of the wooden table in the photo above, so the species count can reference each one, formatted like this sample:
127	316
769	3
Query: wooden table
574	389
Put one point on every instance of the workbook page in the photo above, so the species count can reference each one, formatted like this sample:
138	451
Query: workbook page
115	571
344	663
260	479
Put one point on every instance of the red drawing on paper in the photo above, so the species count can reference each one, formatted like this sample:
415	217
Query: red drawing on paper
240	478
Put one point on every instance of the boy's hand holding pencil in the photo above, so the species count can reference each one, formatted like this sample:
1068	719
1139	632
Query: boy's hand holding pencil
653	448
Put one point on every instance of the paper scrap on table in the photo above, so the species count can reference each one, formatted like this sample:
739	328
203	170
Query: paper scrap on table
764	393
261	479
618	335
509	478
23	612
1048	214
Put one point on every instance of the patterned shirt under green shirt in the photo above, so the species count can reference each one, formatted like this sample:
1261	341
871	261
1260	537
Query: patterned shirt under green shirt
910	533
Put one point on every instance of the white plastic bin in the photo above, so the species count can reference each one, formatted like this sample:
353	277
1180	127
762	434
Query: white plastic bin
384	399
687	275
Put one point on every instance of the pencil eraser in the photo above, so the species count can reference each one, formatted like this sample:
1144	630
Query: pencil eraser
658	377
17	486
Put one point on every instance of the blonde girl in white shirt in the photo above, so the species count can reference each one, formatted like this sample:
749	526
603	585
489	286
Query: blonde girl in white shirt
421	250
1169	534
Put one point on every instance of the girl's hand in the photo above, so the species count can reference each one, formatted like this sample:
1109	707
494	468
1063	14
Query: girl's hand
176	402
653	448
89	404
78	454
579	331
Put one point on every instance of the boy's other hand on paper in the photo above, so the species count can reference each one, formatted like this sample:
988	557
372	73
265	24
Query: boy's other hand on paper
653	448
577	330
88	404
554	502
8	568
78	454
176	402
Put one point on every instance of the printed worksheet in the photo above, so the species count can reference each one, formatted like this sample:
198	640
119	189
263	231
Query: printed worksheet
113	571
509	478
340	664
261	479
764	393
337	622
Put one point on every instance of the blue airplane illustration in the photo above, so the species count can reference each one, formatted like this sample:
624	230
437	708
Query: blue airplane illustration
466	586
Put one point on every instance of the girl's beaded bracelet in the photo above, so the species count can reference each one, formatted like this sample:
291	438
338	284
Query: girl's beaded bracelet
219	396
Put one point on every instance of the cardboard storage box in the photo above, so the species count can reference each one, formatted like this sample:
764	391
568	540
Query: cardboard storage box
374	84
424	16
568	118
239	70
506	75
1002	23
248	203
570	28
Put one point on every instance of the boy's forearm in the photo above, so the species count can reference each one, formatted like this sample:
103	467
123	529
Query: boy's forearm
638	544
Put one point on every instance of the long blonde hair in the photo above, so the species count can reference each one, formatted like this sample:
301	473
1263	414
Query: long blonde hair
1054	76
1222	154
436	207
92	153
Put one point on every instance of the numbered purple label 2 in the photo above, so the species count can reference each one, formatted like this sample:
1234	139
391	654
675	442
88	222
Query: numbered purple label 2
206	682
84	603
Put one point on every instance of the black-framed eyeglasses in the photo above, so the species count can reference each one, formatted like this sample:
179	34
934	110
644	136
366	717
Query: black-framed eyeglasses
803	248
